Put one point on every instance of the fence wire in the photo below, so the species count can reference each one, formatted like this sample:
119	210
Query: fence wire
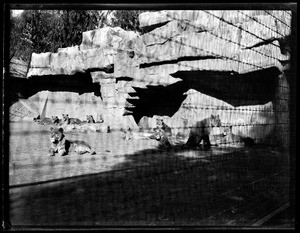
138	179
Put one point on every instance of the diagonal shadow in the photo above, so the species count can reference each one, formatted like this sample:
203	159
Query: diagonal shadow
253	88
150	186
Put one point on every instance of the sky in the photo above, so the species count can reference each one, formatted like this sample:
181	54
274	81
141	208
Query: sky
16	12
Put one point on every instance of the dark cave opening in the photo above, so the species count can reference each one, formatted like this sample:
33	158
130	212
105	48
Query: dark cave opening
79	83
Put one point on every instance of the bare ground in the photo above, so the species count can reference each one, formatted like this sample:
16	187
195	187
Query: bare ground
132	182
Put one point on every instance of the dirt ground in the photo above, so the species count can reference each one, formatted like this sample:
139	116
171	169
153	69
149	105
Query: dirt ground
29	145
132	183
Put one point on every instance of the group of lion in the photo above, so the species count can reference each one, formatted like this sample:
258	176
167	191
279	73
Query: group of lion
65	120
199	136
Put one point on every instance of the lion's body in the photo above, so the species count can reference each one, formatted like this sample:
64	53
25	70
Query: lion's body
82	147
201	131
67	120
236	140
45	121
61	146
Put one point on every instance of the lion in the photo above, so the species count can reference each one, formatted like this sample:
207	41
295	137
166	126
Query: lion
45	121
234	139
67	120
201	131
82	147
162	136
55	120
90	119
100	120
160	124
61	146
37	119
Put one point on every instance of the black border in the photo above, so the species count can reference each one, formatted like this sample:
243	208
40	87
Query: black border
6	7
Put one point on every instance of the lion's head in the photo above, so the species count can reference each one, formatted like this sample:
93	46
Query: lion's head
56	134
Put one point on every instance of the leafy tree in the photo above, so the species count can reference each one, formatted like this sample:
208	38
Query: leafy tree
47	30
128	20
31	32
74	23
20	45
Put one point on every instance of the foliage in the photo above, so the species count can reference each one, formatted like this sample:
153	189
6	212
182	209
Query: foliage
47	30
128	20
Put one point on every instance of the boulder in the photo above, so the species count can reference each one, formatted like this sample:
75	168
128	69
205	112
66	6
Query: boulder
102	77
116	38
96	51
70	61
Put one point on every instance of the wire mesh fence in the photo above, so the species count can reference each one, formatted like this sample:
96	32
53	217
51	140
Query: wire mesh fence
144	172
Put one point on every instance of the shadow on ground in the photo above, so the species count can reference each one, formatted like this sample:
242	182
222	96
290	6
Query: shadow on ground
162	188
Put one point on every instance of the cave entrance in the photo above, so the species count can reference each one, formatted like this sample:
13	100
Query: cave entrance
79	83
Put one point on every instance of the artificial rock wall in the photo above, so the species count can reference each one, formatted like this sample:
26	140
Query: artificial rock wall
188	65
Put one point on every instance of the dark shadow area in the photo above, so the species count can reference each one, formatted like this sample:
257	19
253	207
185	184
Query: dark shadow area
161	188
264	42
24	88
109	69
252	88
186	58
285	44
158	100
150	28
292	81
123	79
284	219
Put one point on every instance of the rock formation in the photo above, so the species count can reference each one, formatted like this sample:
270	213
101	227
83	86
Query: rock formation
187	66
